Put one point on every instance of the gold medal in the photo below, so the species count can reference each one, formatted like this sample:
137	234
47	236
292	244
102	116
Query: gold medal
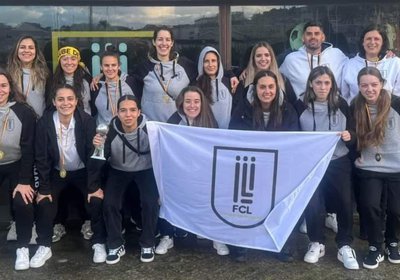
63	173
2	154
166	98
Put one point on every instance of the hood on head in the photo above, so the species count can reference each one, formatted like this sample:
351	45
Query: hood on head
200	64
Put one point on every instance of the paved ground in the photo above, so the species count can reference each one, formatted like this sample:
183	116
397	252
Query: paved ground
189	259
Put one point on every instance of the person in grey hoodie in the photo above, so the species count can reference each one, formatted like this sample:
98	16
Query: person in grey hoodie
127	151
322	109
377	122
16	161
28	69
112	86
215	86
163	76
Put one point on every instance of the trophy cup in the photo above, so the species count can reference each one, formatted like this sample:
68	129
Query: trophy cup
101	129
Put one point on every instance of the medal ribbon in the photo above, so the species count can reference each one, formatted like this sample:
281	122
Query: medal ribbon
62	157
3	129
113	105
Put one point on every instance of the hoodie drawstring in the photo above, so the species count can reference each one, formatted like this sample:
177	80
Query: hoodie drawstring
138	141
313	113
173	69
216	88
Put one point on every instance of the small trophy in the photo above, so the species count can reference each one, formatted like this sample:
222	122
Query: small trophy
101	129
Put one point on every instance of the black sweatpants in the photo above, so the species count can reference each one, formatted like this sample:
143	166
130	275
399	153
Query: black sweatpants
335	186
115	191
46	210
373	186
23	213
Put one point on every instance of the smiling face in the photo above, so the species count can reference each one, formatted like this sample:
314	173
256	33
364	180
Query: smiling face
313	37
26	52
4	90
210	65
65	102
110	66
370	87
262	58
266	91
69	64
128	114
321	86
192	105
163	44
372	44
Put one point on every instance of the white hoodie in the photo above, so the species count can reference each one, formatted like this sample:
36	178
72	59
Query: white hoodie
389	68
297	65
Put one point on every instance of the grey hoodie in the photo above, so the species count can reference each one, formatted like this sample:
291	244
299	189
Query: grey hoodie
121	156
221	95
104	114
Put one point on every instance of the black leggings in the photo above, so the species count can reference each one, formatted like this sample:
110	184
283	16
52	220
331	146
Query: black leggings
374	186
22	213
114	194
46	210
336	187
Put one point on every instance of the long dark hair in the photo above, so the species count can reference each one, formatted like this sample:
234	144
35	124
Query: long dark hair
309	95
78	78
385	40
206	117
204	81
275	118
153	51
15	94
371	132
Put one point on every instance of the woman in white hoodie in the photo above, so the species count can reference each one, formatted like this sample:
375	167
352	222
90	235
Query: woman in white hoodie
373	53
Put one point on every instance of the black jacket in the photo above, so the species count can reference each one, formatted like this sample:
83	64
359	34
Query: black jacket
47	154
242	118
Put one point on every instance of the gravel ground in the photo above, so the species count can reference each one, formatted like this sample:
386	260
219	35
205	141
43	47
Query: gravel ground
189	259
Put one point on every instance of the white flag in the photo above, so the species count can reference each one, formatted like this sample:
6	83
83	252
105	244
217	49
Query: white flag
244	188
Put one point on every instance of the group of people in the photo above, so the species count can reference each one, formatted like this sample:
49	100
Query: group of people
49	128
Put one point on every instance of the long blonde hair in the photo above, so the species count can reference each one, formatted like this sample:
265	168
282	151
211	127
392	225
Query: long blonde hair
39	69
251	69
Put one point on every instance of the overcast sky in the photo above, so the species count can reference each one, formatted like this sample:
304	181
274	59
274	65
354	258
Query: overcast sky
132	17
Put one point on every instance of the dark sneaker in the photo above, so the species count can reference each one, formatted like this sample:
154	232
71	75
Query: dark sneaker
392	251
240	254
114	255
147	254
374	257
285	255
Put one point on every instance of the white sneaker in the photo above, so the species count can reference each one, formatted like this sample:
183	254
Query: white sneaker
58	232
348	257
166	243
12	232
315	251
331	222
303	227
86	230
22	261
41	256
221	248
34	235
100	253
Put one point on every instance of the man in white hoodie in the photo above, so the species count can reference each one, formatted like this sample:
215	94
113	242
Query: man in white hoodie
314	52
